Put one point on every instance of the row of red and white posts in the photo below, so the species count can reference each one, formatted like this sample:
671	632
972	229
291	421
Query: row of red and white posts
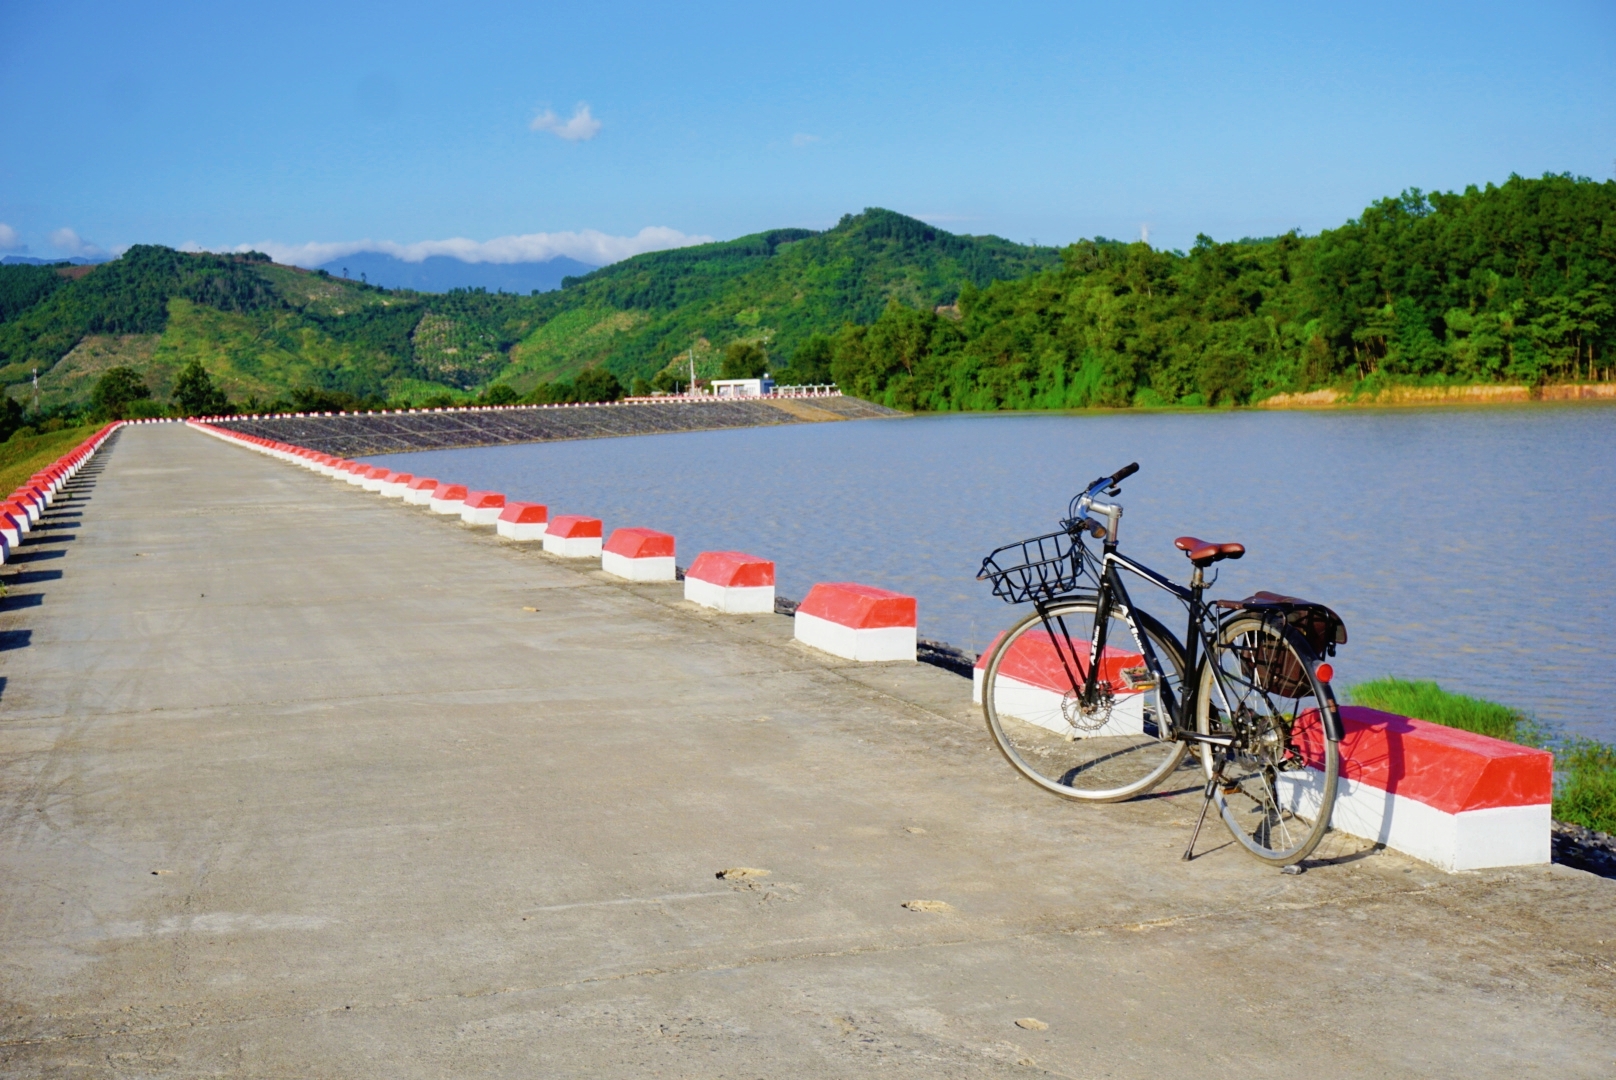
1454	799
22	508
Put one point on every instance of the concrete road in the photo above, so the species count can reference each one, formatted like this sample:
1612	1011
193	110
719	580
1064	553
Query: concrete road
294	783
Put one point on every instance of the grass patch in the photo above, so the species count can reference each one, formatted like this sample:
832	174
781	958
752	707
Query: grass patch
1585	769
1428	701
22	457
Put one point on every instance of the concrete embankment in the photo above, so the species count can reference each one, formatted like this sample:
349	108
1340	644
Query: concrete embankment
363	434
298	781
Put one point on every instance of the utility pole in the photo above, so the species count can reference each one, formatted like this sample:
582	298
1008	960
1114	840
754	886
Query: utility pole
692	369
36	390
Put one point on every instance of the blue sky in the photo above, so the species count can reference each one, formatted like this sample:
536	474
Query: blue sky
287	124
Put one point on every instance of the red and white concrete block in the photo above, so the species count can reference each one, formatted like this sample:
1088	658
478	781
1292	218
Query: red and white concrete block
1033	683
573	536
1451	798
857	622
523	521
447	499
732	582
419	492
639	555
482	507
394	486
375	477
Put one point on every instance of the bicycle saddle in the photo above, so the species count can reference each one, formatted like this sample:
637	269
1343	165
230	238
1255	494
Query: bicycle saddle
1202	553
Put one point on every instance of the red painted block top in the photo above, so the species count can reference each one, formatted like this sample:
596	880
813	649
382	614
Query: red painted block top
376	472
731	569
573	526
423	483
484	500
862	607
1445	768
640	544
397	478
449	493
1035	660
525	513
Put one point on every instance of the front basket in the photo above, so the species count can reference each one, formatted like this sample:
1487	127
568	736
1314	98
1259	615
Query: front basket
1037	569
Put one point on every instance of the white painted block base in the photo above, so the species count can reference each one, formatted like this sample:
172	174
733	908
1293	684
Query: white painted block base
446	506
1470	840
418	497
393	491
481	515
573	547
1041	706
874	644
656	568
740	600
372	484
516	530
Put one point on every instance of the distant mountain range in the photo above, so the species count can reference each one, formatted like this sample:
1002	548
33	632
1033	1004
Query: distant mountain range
266	331
440	273
29	260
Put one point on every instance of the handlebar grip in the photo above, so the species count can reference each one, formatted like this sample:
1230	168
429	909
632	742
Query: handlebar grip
1124	472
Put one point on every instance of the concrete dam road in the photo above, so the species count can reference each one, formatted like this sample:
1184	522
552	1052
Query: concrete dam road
292	783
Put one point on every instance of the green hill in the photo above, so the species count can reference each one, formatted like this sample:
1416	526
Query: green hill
1509	283
264	331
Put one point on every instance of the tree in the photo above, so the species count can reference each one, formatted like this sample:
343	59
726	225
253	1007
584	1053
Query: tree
596	384
500	394
810	364
195	394
10	416
744	360
114	390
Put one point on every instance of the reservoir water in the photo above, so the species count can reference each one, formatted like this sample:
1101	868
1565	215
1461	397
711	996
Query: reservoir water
1473	547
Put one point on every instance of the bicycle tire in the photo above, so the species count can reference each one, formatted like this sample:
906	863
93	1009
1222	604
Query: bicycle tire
1099	758
1288	781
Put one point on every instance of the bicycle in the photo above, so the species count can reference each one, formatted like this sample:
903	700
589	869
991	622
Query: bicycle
1086	695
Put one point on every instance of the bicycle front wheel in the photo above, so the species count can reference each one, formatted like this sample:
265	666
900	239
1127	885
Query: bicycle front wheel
1116	745
1259	688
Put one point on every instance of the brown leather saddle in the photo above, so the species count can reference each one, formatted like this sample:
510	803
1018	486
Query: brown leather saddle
1202	553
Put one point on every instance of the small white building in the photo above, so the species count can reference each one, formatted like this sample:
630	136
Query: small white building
742	387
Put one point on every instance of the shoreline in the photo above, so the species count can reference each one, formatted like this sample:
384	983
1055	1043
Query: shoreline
1392	397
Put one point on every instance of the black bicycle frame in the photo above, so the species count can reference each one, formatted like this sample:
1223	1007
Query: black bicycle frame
1108	596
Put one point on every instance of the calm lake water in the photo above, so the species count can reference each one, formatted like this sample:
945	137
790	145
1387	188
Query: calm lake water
1473	547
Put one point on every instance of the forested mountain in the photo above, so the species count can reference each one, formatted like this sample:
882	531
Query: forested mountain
1514	282
264	331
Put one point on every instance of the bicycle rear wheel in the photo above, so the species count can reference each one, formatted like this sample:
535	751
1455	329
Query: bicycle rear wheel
1118	746
1259	685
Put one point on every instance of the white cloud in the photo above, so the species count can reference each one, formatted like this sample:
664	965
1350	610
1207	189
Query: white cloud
581	128
800	140
69	243
588	246
8	238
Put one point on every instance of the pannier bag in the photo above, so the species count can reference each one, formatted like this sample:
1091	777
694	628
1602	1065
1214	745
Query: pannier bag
1273	668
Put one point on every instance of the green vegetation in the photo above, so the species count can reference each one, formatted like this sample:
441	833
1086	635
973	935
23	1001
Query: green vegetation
25	453
1511	283
1428	701
1585	789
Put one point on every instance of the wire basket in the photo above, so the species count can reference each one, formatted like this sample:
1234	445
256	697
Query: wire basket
1037	569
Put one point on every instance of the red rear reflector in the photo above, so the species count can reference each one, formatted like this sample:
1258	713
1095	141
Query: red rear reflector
1325	672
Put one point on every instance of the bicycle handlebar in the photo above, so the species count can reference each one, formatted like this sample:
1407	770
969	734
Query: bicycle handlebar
1115	478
